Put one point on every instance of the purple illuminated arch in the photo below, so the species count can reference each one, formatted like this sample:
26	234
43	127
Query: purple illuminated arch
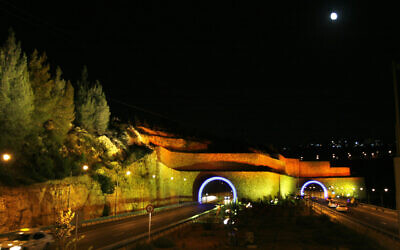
314	182
217	178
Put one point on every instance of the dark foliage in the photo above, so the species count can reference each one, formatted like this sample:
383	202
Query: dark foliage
163	242
107	186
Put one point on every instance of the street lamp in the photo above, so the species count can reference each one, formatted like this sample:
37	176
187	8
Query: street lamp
6	157
85	168
116	192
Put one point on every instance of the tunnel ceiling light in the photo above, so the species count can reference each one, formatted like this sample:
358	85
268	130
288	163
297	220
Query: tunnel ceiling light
216	178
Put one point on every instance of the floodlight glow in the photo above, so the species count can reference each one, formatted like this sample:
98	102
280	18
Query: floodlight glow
314	182
334	16
215	179
6	157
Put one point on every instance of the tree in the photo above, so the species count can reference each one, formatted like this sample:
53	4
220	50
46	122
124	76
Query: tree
92	110
54	99
16	95
42	85
63	113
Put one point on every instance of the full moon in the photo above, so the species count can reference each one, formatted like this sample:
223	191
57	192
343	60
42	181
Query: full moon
333	16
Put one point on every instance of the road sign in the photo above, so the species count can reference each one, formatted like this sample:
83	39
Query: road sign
149	208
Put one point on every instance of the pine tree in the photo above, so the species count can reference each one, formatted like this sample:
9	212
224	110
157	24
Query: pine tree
92	110
42	85
63	112
16	95
54	98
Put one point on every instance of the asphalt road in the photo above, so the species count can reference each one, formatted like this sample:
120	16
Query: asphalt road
104	234
384	221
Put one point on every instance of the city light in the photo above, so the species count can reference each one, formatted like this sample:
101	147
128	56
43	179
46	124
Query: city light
361	189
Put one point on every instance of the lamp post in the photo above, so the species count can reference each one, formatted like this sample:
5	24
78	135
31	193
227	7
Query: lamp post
85	168
116	192
69	188
396	159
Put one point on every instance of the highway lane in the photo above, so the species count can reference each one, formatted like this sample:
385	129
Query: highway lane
104	234
379	220
383	221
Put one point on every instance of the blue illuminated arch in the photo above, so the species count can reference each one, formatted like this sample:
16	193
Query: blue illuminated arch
314	182
219	179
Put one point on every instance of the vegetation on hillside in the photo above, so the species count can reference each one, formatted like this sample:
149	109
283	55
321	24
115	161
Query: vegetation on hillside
51	126
52	129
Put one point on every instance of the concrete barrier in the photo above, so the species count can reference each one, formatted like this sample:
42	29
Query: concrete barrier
379	209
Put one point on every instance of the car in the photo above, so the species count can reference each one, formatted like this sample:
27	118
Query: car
342	208
332	204
28	239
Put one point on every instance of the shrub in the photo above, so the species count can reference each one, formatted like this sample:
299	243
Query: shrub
163	242
107	186
106	210
143	247
6	177
207	226
135	153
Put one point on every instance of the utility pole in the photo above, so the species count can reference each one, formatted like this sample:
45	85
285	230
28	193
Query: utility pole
396	158
116	198
69	188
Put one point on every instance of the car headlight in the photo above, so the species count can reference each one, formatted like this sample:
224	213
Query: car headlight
15	248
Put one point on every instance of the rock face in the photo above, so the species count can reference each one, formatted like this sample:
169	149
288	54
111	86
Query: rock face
142	135
38	205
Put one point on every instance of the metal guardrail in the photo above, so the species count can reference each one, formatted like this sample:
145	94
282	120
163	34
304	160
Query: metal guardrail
135	239
131	214
346	219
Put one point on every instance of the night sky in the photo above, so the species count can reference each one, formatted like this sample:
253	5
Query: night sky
280	73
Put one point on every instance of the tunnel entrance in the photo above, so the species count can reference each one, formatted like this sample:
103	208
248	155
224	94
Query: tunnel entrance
217	190
314	189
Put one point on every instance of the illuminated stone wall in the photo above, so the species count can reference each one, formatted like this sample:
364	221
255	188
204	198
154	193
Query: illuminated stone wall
248	162
344	187
252	185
